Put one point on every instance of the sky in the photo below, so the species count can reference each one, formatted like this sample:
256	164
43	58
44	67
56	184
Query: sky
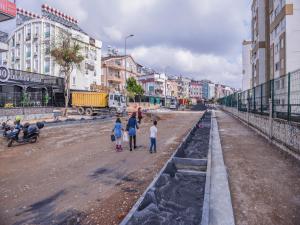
200	39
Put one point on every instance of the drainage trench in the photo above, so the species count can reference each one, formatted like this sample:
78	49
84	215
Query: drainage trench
176	196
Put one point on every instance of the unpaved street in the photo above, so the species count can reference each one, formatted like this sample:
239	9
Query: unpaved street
74	174
265	185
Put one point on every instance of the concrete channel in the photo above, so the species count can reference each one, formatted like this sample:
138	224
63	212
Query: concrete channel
180	193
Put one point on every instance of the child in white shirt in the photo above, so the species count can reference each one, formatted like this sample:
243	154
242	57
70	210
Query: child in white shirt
153	136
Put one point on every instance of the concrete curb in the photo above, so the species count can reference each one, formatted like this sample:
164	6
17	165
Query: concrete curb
220	209
206	201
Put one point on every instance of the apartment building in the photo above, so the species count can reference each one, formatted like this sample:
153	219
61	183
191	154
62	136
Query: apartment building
154	84
284	36
183	85
196	90
113	71
211	91
260	41
247	67
172	87
29	47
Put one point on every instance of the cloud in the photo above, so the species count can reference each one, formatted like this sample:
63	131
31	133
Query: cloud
197	66
113	33
200	34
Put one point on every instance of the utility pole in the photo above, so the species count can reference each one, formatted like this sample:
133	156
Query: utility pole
125	50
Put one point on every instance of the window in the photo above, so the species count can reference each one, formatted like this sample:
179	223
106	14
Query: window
28	50
28	65
282	63
18	52
277	66
276	48
35	65
74	80
28	33
47	30
282	43
36	48
47	65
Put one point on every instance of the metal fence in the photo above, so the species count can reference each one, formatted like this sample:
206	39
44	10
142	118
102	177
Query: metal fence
280	97
30	99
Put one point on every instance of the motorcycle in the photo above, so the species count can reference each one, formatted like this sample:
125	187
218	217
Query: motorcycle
30	133
6	128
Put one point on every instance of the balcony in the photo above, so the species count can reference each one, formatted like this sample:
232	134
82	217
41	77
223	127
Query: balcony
28	37
114	79
35	36
47	51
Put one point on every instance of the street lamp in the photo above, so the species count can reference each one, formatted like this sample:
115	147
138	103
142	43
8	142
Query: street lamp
166	85
129	36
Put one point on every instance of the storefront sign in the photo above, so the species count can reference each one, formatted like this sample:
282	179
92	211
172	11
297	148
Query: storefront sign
17	75
8	8
4	74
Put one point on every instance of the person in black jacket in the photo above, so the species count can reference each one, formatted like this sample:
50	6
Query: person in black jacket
131	128
140	115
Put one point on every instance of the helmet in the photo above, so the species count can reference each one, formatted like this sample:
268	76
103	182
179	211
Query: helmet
40	125
18	118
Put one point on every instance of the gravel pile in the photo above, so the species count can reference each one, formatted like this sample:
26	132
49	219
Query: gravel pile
173	201
197	144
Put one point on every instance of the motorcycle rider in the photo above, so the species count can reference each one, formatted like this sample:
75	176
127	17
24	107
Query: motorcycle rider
18	126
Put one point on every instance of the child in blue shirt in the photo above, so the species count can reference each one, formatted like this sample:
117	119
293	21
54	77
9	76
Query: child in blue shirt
117	131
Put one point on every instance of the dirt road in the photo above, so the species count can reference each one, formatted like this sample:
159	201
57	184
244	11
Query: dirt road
265	186
73	174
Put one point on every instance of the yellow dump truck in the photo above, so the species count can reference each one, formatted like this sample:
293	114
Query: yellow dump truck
91	103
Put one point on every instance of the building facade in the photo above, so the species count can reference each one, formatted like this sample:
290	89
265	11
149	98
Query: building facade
211	91
29	47
113	71
172	87
260	42
195	90
183	85
154	84
247	67
284	37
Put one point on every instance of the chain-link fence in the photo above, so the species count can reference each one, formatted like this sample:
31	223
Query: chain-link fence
281	94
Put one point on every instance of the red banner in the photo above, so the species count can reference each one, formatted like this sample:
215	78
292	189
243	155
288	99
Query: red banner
8	8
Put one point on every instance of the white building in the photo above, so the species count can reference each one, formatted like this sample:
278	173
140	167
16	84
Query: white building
29	47
154	84
284	37
211	91
260	42
247	67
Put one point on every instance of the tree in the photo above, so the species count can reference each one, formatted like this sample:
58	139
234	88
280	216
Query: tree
66	53
133	88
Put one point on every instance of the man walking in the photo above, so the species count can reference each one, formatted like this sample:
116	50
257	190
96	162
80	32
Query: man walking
131	128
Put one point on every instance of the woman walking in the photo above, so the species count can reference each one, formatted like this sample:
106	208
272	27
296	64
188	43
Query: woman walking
117	131
131	128
140	115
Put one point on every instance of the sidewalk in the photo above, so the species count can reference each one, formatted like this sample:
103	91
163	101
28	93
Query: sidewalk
265	186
